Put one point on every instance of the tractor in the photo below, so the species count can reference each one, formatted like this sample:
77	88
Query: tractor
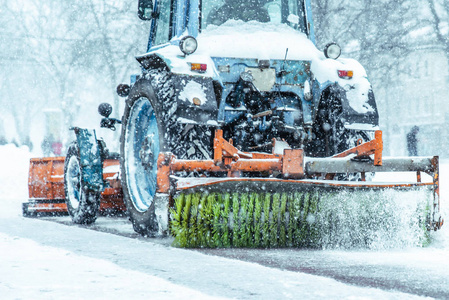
237	123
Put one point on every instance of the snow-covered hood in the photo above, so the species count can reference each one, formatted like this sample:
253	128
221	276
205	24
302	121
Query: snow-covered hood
266	41
263	41
256	40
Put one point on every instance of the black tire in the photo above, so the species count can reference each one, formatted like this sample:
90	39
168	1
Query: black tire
82	204
148	128
26	212
337	137
332	137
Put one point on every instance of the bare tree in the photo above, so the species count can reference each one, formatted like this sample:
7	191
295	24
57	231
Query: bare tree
439	23
19	79
113	37
64	47
400	43
372	31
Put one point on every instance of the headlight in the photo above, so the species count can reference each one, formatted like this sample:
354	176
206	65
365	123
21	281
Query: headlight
188	45
332	50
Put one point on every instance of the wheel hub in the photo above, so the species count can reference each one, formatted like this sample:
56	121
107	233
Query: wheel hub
73	182
141	151
146	153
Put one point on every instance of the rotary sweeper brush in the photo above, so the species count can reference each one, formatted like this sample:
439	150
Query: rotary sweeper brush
297	204
241	133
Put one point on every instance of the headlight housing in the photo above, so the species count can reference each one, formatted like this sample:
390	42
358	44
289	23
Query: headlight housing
188	45
332	50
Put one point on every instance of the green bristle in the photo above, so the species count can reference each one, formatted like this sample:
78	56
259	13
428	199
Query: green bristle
274	222
313	220
176	218
193	232
184	237
327	220
266	221
291	221
179	205
217	224
203	227
282	222
250	224
243	217
225	217
236	219
257	220
304	233
209	217
298	203
175	214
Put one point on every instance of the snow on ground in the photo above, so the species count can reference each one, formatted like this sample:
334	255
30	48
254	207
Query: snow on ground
46	260
32	271
14	164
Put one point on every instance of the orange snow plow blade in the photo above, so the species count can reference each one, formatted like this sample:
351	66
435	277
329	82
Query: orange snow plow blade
46	188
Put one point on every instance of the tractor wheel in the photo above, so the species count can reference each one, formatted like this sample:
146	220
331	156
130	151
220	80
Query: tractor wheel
149	128
82	204
332	137
337	137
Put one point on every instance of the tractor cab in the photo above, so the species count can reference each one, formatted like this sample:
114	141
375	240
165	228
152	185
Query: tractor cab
172	18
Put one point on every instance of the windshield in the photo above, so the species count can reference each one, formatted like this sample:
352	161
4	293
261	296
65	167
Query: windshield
217	12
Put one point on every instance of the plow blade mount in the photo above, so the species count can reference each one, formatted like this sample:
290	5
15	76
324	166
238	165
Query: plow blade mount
298	204
46	188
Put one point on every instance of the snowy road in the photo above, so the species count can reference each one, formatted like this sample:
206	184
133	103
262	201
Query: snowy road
415	271
418	272
59	259
47	259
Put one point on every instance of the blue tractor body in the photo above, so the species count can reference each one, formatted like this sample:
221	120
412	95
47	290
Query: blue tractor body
229	90
237	111
275	90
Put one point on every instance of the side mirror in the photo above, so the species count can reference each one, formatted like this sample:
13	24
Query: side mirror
123	90
105	109
145	10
